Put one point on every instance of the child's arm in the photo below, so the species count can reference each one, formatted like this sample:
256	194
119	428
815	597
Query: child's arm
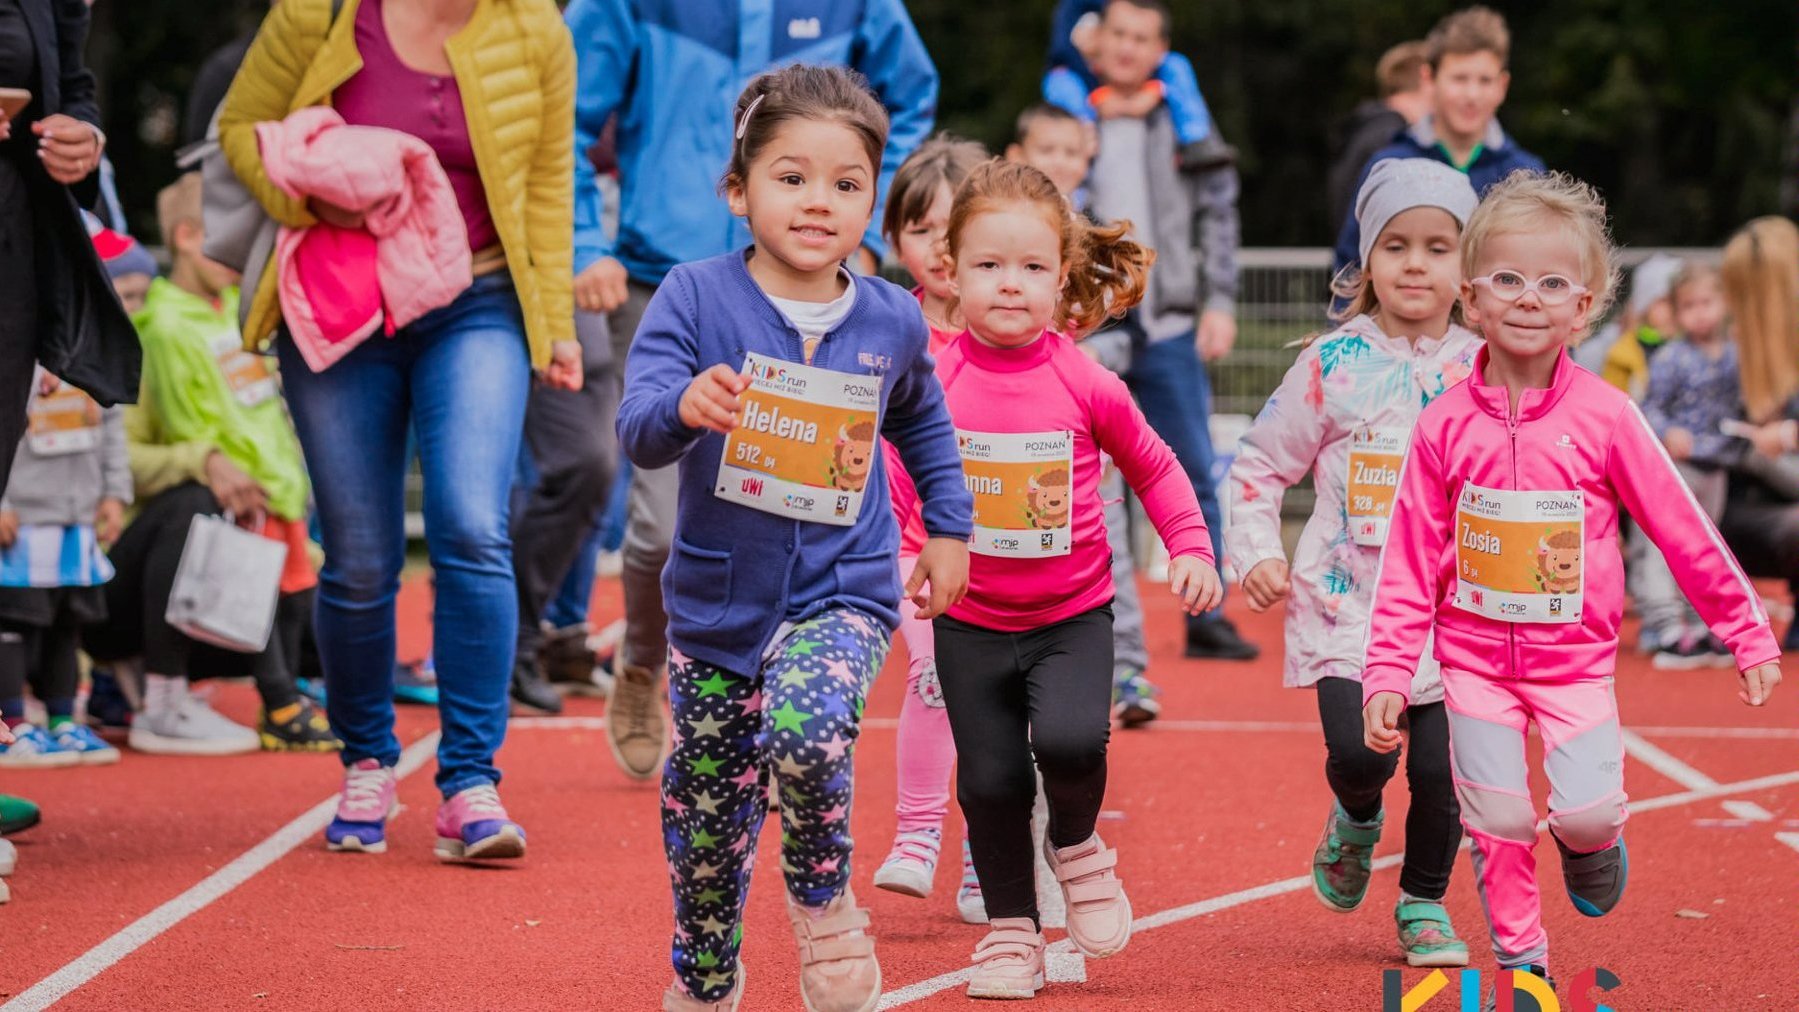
1062	87
664	361
1186	105
1411	572
1658	499
1273	456
115	457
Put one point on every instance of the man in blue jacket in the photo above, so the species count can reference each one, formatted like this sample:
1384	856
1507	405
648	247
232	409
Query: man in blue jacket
1467	53
671	71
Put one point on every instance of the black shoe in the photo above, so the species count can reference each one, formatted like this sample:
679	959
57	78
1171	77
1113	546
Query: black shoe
568	660
532	691
1595	881
1216	639
1209	152
308	731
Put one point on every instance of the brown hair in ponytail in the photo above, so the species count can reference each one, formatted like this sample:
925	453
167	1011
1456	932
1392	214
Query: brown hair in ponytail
1106	271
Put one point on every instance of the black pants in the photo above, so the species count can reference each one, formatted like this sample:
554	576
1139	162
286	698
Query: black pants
18	309
1357	775
45	654
137	598
1047	693
574	450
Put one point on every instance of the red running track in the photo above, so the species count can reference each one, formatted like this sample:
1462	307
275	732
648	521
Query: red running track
1222	802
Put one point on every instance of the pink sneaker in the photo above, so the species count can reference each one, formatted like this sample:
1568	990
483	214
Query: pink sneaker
473	826
1099	914
370	797
838	969
1009	961
675	999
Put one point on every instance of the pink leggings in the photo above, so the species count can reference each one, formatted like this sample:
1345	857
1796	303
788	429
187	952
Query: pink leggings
926	754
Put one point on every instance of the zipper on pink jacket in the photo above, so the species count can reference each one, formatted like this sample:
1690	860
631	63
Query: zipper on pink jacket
1511	628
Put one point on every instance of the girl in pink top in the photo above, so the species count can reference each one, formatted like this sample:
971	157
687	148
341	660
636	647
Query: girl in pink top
918	206
1026	658
1504	545
1343	414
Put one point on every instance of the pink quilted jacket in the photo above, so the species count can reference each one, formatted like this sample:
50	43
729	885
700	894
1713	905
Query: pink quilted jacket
338	285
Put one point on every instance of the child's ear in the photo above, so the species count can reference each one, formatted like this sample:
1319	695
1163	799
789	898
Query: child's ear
1583	312
189	237
734	196
1469	314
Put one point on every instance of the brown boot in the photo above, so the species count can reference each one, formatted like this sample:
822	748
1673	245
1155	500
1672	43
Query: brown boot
636	723
838	969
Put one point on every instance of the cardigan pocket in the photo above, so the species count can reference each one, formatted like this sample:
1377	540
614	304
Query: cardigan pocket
872	576
701	581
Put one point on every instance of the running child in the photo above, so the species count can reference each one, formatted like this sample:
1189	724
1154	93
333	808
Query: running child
1344	414
917	217
1504	525
1026	658
768	374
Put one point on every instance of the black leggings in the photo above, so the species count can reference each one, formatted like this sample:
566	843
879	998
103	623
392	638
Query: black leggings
45	654
1357	775
1048	692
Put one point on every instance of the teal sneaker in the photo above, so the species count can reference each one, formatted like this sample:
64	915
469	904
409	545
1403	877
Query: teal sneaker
17	815
1344	860
1426	936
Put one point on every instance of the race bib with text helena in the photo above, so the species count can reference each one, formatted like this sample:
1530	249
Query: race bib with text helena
1375	456
1518	554
805	444
61	422
1023	487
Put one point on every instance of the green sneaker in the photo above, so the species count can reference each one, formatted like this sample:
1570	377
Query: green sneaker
16	815
1344	860
1426	936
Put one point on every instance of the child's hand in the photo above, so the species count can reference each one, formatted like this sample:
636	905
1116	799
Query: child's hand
565	370
1772	439
108	519
943	563
5	732
1759	682
9	528
711	399
1195	582
1679	443
1267	584
1380	721
47	383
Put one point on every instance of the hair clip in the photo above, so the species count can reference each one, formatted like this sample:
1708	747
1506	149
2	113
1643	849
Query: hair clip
744	123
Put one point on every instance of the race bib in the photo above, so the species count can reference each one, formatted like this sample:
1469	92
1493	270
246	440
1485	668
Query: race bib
1518	554
806	442
1023	486
1375	456
63	421
246	374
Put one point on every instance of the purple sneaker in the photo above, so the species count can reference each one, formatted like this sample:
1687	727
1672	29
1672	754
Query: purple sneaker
370	797
473	826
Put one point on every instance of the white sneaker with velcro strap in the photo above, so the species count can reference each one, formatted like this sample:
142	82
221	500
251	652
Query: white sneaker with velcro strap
1009	961
838	969
1099	913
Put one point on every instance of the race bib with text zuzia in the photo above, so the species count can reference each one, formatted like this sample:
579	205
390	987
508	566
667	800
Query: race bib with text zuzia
63	421
1023	487
805	444
1375	455
1518	554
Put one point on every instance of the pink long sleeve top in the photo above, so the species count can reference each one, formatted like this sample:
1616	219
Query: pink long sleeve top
899	483
1048	387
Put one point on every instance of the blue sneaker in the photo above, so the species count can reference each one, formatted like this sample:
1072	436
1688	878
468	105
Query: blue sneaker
89	748
416	683
1134	702
32	749
108	708
1595	881
473	825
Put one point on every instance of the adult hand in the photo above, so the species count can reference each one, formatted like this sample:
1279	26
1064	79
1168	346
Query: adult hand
1136	105
711	399
1380	721
236	491
942	563
1772	439
108	520
565	370
1266	584
69	148
1679	443
1758	683
331	214
9	528
1195	582
1217	334
601	287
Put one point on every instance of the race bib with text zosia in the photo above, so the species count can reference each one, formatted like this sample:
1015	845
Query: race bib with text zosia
805	444
1519	554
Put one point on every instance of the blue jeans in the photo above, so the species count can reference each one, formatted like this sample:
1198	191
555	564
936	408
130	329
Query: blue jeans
1171	386
459	376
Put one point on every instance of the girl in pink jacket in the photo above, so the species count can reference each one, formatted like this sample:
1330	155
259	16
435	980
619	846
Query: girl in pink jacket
1344	413
1026	658
1504	546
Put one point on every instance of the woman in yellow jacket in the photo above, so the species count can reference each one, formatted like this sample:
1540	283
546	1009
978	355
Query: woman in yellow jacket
489	85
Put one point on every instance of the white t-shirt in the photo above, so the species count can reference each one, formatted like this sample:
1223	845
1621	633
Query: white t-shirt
815	319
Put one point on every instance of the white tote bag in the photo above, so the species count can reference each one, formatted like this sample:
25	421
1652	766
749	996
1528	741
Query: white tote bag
226	585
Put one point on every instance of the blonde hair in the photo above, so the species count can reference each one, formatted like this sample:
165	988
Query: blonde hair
1761	287
1470	30
1527	201
179	203
1106	271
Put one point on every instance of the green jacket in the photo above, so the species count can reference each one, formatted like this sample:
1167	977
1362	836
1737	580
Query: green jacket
187	409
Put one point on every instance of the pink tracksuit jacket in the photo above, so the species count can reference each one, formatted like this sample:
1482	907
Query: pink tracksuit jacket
1583	451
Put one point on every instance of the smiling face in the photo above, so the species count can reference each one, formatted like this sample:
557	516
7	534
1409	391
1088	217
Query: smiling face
1416	270
1527	330
920	246
1009	274
809	196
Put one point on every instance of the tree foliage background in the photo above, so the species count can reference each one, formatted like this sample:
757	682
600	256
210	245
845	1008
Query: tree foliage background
1680	111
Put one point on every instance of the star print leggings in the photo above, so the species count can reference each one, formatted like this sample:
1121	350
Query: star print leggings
795	720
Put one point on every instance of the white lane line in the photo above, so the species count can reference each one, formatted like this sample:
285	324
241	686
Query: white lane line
202	894
1665	764
1720	732
925	988
556	723
1748	810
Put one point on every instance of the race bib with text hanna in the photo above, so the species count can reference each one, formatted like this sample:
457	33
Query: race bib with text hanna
1023	487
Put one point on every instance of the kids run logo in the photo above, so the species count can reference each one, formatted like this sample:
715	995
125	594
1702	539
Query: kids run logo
1517	991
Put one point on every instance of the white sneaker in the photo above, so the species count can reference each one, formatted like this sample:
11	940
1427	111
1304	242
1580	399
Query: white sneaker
190	727
9	856
912	864
33	749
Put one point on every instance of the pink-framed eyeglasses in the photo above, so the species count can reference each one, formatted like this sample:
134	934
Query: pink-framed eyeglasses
1550	289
